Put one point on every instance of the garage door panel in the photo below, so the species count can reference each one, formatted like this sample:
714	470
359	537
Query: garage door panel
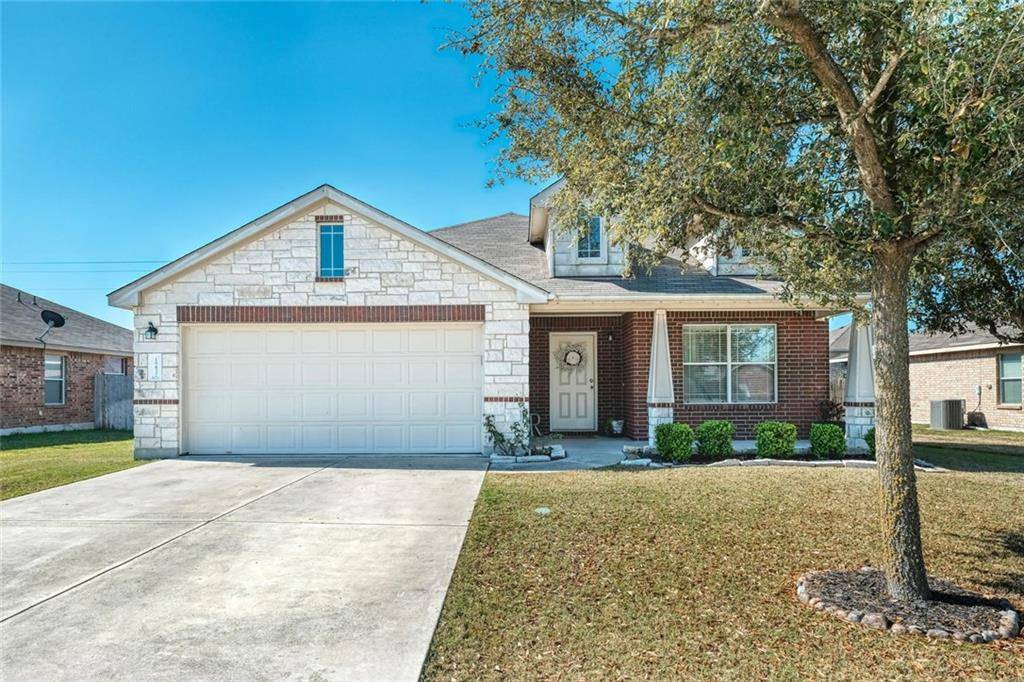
425	404
280	389
388	373
353	373
388	437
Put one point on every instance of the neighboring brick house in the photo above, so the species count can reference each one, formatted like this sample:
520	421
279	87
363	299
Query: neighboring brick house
327	325
51	388
974	367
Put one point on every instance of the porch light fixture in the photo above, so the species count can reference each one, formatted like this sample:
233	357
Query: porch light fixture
150	332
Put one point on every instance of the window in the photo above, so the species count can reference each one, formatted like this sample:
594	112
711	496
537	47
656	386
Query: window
1010	379
53	380
332	250
589	245
729	363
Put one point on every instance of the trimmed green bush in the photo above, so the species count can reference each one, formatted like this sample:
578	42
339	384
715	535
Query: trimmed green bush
674	441
827	440
714	438
869	437
775	439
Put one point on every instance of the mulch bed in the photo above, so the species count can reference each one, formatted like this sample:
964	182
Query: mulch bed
861	597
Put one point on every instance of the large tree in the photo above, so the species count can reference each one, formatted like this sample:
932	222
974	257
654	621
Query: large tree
847	144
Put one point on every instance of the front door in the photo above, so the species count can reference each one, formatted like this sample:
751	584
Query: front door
573	382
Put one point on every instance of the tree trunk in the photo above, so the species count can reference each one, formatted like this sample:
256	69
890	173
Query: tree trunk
900	516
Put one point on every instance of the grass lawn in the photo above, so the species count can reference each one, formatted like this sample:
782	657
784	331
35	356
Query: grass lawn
689	574
36	461
1003	442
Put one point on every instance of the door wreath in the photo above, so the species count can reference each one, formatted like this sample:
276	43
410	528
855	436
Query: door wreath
570	356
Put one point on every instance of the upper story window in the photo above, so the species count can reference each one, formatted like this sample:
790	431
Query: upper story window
589	245
53	379
1010	378
332	250
729	363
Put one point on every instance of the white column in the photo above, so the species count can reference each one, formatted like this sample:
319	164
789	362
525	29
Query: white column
660	392
859	398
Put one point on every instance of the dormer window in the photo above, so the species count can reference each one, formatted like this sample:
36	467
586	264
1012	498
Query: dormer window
589	245
332	251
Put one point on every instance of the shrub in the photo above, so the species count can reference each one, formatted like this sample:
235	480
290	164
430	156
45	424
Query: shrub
869	437
831	412
714	438
775	439
827	440
674	441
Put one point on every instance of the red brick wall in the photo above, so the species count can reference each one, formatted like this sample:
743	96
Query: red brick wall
801	363
609	364
636	357
21	388
956	375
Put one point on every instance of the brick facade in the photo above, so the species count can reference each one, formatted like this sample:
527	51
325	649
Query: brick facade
624	343
609	364
274	278
623	362
957	375
21	388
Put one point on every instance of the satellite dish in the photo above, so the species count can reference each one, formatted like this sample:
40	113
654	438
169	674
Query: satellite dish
52	319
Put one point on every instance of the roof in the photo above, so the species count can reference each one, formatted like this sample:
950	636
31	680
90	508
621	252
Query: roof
499	240
922	343
21	325
128	295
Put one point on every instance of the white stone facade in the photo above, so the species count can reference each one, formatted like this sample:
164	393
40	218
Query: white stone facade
279	268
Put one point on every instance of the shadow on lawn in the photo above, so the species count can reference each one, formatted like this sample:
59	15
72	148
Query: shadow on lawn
996	545
962	459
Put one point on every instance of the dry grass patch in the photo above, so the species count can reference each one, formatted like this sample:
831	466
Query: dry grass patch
689	574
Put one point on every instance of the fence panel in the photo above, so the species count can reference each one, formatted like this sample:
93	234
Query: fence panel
113	401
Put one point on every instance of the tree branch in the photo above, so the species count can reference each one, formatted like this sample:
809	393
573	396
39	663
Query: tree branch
868	105
785	15
729	214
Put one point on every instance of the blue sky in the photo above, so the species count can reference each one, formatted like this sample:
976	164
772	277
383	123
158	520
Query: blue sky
140	131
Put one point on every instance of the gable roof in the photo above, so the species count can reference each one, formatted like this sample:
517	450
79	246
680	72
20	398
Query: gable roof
128	295
20	325
499	240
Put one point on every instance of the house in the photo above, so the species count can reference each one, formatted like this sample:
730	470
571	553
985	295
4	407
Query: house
48	385
974	367
329	326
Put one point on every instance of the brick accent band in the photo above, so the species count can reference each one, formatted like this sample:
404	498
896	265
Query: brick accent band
318	278
155	401
329	313
868	404
661	404
505	399
336	218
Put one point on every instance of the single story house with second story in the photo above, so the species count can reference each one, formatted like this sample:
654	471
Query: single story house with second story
329	326
975	367
49	387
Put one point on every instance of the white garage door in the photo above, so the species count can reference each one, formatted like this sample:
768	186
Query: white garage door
292	389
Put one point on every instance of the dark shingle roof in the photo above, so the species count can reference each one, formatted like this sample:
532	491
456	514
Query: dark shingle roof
20	324
839	341
501	241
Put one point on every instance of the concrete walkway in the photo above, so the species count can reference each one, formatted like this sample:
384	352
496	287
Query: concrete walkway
261	569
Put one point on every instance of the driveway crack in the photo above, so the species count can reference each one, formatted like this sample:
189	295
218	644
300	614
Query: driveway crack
157	546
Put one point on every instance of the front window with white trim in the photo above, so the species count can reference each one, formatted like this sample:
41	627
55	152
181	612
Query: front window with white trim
729	363
1010	378
53	380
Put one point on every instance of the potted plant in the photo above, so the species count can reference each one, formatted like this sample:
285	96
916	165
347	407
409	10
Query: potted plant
615	426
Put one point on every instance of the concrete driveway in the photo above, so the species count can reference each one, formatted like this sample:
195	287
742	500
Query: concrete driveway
260	569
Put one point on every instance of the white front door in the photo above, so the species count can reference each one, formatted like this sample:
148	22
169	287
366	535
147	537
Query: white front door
333	388
573	388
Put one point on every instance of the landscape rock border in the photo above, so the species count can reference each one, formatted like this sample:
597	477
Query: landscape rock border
1009	619
640	456
557	452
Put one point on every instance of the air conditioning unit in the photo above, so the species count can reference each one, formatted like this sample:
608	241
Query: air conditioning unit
947	414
